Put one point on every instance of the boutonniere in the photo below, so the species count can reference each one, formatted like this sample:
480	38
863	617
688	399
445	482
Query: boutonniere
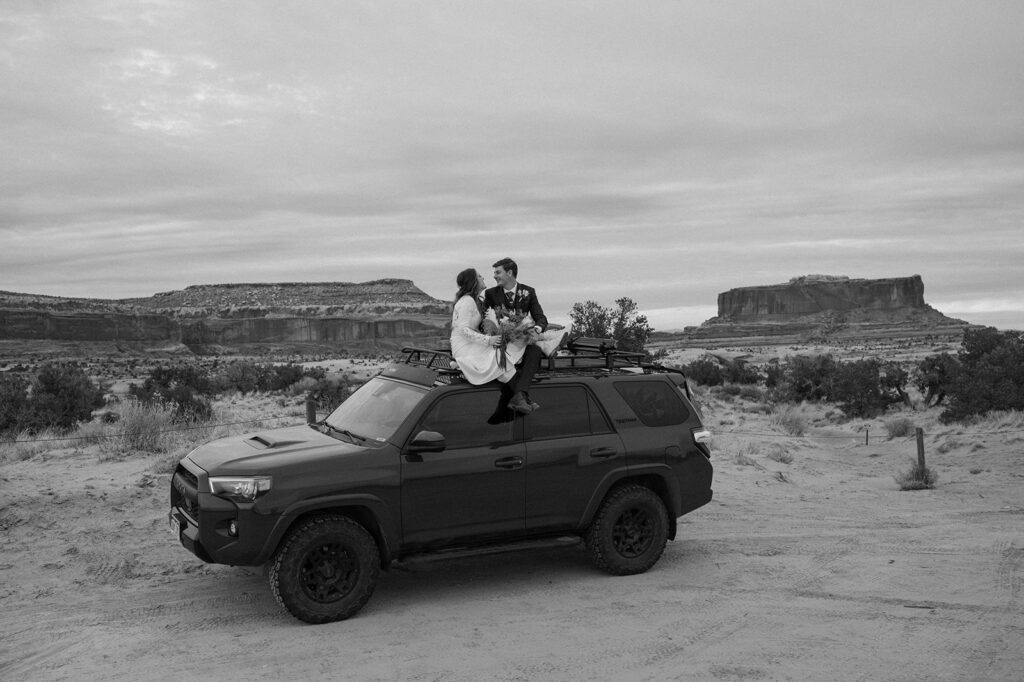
523	294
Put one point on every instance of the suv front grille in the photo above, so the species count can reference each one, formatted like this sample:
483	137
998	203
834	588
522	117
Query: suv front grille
185	492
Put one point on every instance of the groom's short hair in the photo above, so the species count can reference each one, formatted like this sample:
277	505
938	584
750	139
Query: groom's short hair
508	265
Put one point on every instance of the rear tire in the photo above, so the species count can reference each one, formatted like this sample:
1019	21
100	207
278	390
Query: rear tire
629	531
326	569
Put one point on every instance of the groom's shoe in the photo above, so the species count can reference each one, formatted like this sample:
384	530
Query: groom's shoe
520	404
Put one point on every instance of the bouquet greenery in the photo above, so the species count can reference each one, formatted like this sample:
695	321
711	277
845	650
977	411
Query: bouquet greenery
510	326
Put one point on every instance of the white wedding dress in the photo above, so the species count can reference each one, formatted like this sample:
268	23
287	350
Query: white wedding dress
477	359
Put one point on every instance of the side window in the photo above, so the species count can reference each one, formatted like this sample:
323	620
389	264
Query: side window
566	411
462	418
654	402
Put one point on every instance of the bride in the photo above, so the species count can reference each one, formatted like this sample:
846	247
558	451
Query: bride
477	354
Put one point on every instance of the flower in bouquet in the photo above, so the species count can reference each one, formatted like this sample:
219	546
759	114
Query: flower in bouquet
510	326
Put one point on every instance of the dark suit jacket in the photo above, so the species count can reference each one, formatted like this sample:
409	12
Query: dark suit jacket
525	302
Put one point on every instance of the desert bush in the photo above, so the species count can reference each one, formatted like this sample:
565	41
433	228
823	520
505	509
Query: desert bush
779	454
892	382
934	377
991	375
329	393
705	372
917	478
899	427
146	426
856	388
743	459
738	371
808	378
183	387
753	393
13	401
789	419
58	397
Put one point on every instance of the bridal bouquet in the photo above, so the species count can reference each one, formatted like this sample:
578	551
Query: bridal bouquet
510	326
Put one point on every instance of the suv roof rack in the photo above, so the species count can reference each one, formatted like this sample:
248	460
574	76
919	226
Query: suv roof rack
580	355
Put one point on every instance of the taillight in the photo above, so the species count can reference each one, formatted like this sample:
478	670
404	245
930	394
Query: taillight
702	439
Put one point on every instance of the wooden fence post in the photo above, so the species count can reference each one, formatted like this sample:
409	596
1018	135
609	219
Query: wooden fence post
920	448
867	434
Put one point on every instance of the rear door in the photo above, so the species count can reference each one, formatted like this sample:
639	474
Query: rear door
570	449
475	488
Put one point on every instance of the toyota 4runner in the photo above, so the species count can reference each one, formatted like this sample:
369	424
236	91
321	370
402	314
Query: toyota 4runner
418	461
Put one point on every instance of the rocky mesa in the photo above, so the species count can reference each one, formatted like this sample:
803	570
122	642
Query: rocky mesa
380	314
823	307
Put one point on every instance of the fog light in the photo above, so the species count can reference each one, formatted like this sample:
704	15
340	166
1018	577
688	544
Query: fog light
233	529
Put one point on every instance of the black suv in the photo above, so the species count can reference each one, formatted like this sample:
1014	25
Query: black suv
417	460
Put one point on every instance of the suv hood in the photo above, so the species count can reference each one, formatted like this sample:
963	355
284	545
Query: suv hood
259	453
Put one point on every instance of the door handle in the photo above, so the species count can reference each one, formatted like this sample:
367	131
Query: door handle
601	453
509	462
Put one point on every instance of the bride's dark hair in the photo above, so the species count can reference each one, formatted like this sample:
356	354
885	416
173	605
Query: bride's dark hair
467	281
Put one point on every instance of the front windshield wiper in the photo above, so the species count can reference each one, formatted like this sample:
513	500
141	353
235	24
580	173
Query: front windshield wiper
345	432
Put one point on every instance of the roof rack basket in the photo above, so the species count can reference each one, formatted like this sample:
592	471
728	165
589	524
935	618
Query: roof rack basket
581	354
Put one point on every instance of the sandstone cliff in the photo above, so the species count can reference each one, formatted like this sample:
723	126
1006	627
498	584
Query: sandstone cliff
818	307
379	314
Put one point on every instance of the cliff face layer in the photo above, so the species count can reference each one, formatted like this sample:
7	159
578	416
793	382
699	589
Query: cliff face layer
821	306
818	294
382	313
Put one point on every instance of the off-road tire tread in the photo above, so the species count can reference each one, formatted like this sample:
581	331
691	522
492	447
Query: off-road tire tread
368	578
597	538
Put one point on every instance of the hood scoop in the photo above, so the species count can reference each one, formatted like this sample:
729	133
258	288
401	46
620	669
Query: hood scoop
265	442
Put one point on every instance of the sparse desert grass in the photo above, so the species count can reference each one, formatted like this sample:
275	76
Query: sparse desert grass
899	427
778	453
917	478
948	445
744	460
790	419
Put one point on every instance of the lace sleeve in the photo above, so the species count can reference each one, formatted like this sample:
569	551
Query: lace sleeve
466	319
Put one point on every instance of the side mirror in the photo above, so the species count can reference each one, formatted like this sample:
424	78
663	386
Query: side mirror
427	441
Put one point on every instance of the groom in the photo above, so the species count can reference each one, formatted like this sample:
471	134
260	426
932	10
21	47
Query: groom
518	298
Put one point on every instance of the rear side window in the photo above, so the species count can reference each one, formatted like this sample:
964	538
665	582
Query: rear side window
565	411
464	419
656	403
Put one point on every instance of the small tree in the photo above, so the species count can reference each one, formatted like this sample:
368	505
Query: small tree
992	374
857	388
13	400
60	396
629	329
808	378
935	375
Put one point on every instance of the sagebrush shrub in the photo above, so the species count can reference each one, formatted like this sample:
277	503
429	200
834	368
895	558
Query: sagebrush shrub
705	372
917	478
58	397
898	427
789	419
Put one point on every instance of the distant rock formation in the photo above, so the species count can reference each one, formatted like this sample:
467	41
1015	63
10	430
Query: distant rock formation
812	294
211	318
821	307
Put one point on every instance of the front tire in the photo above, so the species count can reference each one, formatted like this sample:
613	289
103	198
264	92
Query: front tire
326	569
629	531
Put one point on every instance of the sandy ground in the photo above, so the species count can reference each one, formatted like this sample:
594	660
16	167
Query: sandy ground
819	569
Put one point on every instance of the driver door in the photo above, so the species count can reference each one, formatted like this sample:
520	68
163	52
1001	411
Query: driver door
475	489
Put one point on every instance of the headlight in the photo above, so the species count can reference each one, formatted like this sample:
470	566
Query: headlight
239	488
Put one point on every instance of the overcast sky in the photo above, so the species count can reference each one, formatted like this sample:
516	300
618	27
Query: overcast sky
662	150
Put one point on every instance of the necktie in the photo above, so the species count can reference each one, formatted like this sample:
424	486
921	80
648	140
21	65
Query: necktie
510	297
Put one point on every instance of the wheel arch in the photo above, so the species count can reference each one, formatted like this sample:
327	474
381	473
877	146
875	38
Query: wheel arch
367	511
657	479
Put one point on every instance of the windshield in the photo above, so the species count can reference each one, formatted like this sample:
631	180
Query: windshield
376	409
